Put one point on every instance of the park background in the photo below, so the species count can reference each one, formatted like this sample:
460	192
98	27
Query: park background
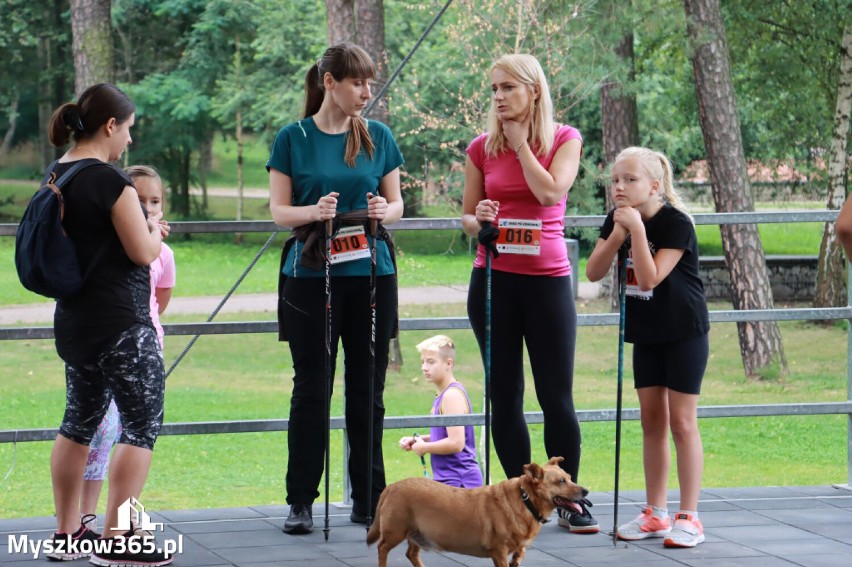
215	80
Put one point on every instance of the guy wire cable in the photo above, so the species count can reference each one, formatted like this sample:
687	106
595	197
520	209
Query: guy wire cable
251	265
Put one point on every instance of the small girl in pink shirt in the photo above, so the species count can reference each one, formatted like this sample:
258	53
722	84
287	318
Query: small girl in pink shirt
149	186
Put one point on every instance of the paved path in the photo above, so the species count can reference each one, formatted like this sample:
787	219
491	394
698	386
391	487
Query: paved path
39	313
745	527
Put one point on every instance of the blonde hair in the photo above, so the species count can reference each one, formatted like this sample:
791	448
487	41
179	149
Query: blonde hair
137	171
659	168
527	70
441	344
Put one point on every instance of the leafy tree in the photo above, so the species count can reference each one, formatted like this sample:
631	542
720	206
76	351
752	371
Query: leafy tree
444	106
171	118
831	270
785	60
36	69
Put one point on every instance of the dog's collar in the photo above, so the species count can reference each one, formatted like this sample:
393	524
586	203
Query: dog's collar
531	507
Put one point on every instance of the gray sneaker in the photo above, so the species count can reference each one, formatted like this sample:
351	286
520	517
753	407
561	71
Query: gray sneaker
299	521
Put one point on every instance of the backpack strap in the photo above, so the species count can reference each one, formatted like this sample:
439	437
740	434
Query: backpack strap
78	166
72	171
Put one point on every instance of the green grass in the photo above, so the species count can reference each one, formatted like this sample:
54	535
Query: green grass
224	170
777	238
248	377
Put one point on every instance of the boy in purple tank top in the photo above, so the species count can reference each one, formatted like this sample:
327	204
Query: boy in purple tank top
453	449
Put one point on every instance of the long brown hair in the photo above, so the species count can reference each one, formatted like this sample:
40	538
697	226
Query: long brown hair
82	119
344	61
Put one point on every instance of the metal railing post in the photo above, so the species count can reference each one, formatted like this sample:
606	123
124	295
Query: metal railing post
849	377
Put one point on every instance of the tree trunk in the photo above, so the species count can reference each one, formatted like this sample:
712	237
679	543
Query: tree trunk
340	15
620	125
238	134
205	164
6	145
238	237
760	342
45	101
91	29
831	270
370	19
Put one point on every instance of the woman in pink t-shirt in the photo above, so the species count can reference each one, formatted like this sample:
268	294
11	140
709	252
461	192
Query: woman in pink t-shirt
517	178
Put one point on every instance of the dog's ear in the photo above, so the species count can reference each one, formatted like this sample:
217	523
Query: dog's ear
555	460
534	471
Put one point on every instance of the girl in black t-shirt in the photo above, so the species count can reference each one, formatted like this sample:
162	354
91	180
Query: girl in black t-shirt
667	321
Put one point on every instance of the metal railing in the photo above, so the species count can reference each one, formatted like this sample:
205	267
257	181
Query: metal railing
449	323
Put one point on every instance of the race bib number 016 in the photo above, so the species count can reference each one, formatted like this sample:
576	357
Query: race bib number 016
350	243
518	236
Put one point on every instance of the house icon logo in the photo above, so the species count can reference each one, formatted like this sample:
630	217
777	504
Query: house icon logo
132	514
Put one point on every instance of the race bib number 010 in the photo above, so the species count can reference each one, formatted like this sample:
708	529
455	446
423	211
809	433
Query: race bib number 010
350	243
518	236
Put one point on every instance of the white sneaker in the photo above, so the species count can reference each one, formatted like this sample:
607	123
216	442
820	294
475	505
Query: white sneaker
644	526
687	532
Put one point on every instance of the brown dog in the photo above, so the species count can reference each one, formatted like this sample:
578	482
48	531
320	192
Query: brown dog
491	521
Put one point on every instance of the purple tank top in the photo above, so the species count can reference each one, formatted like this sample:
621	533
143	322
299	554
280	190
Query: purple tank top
459	469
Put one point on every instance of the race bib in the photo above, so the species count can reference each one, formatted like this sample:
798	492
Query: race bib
518	236
631	287
349	243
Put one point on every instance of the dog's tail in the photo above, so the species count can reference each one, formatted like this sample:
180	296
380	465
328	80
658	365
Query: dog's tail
375	529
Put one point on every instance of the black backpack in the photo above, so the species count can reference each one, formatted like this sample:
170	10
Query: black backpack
45	256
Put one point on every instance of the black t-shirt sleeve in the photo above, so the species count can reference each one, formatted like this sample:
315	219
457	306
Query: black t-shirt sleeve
607	226
679	233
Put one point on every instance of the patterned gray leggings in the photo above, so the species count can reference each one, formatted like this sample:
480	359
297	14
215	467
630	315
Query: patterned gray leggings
132	371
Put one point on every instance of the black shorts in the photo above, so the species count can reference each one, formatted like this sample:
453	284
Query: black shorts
678	366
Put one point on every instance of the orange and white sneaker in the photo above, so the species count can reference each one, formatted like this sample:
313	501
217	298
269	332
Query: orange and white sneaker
686	532
644	526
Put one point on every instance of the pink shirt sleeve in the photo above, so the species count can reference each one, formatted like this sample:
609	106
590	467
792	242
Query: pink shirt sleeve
163	275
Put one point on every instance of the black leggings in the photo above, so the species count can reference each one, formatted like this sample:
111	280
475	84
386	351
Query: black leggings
538	311
304	300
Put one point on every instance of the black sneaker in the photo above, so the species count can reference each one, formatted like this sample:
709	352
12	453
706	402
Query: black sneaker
357	517
299	521
581	522
65	547
136	548
359	514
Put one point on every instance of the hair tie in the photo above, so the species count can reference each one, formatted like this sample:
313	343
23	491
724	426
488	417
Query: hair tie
71	118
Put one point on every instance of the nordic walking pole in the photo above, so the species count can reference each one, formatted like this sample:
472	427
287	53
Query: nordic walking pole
329	228
422	459
486	225
371	391
622	273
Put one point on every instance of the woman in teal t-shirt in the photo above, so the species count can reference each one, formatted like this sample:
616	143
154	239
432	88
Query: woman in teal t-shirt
335	165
